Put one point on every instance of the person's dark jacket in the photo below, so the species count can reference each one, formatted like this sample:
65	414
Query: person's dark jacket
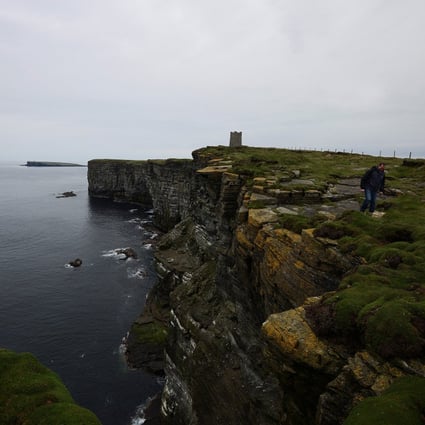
374	179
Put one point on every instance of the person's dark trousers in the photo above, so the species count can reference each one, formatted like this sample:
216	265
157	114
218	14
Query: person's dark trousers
369	200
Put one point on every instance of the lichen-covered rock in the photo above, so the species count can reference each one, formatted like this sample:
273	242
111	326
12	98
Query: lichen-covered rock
241	251
290	332
355	377
210	378
363	376
285	268
214	290
402	403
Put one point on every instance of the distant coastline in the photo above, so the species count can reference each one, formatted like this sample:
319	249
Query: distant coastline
51	164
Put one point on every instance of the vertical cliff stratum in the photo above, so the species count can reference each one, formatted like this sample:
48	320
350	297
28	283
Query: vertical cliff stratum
249	275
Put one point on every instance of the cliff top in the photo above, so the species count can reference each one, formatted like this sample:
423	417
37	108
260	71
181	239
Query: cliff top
135	162
289	169
381	305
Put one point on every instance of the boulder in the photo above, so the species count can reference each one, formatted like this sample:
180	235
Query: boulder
76	263
128	252
66	194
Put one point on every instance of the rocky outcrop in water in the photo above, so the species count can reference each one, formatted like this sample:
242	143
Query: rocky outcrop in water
229	320
68	194
51	164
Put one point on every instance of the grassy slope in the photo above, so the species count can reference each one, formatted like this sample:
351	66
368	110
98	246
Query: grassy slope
31	394
401	404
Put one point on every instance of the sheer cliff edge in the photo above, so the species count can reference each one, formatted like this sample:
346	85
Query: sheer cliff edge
277	301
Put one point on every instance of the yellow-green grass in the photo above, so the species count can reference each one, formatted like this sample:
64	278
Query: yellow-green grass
402	404
382	302
31	394
149	333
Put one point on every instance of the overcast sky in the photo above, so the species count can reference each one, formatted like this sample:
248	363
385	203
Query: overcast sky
146	79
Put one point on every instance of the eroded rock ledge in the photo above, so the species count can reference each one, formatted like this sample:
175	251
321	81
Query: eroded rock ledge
229	308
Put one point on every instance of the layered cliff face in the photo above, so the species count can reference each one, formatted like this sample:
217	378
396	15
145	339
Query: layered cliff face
239	294
164	185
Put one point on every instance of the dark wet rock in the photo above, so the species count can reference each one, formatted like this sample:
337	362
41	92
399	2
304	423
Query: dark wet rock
68	194
76	263
152	411
146	340
128	252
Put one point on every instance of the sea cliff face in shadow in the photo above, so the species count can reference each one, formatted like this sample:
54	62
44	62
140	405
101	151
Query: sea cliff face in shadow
277	302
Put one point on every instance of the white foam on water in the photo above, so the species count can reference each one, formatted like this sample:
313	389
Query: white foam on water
68	266
136	273
115	253
127	299
139	417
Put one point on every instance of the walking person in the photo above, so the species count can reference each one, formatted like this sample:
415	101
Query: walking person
372	182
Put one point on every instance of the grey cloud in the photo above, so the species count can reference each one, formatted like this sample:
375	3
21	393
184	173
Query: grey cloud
161	78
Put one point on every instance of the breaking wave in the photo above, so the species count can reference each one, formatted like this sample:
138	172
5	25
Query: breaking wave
115	253
136	273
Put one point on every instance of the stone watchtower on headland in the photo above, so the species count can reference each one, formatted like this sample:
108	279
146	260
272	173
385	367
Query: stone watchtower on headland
235	139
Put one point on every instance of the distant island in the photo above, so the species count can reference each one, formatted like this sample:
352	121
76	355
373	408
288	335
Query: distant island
51	164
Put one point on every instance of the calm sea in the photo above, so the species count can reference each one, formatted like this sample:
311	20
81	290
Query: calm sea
73	319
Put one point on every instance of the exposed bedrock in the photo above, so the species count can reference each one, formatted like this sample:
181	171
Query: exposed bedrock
162	185
226	320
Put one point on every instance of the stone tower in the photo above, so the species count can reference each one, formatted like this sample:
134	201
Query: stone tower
235	139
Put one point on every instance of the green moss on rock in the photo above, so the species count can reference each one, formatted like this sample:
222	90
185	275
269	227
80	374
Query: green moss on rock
382	301
149	333
296	223
402	404
31	394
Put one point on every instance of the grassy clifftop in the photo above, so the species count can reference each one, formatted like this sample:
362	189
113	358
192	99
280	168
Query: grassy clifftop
31	394
322	167
381	306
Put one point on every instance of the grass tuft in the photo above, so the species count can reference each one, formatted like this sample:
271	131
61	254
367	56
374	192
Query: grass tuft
31	394
401	404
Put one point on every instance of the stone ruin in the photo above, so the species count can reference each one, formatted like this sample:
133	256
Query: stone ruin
235	139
